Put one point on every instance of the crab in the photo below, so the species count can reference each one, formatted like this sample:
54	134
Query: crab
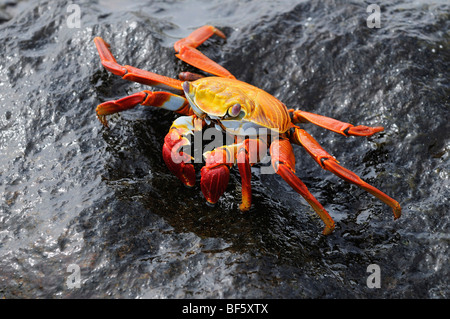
242	111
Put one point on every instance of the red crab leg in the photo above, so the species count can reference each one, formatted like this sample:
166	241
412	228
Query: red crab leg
163	100
131	73
331	124
178	161
328	162
187	52
248	154
283	161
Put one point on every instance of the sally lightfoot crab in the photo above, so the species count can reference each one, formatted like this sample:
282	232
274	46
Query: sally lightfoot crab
240	110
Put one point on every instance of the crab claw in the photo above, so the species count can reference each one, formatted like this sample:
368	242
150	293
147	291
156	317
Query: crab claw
215	175
176	160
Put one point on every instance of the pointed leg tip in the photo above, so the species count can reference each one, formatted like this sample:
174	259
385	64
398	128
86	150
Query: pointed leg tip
244	207
397	211
219	33
328	230
99	39
102	119
362	130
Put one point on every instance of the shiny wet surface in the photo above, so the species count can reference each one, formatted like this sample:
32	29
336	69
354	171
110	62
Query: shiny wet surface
73	192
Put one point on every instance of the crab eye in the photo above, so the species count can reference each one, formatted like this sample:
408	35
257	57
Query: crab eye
234	110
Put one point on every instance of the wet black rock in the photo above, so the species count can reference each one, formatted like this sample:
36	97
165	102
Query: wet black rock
76	194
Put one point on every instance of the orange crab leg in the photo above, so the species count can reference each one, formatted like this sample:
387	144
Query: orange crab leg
131	73
243	164
187	52
283	161
331	124
248	154
163	100
328	162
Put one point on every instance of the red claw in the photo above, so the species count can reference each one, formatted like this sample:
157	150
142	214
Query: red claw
215	175
176	160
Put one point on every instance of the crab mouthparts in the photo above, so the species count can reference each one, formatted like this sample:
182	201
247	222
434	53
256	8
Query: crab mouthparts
186	87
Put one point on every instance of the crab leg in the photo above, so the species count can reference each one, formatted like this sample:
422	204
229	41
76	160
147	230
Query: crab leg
328	162
247	154
331	124
283	161
243	163
164	100
187	52
134	74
